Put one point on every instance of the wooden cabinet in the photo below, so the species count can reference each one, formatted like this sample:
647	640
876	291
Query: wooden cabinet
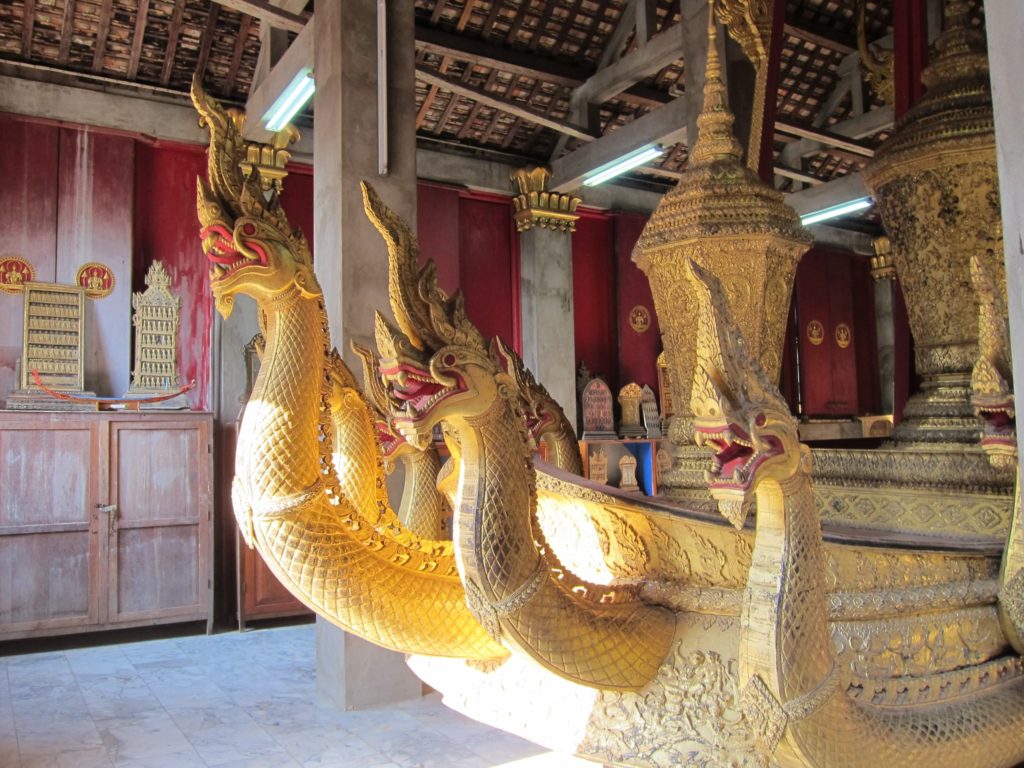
105	521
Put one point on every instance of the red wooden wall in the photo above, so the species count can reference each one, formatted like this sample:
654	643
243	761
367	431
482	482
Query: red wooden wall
834	319
166	229
638	351
471	237
607	286
595	313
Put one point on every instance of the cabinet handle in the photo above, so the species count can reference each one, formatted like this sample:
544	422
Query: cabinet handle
111	509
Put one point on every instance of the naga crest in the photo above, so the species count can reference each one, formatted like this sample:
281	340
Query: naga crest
246	236
542	413
992	376
436	363
737	411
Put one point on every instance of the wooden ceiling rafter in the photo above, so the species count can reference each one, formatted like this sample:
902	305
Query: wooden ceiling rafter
206	41
67	32
102	32
141	17
28	21
236	58
173	31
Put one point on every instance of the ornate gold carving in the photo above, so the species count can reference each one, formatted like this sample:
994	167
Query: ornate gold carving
14	273
156	321
935	183
53	337
535	206
911	646
639	318
843	335
882	265
723	217
629	410
269	161
764	712
904	692
877	64
97	279
689	716
815	333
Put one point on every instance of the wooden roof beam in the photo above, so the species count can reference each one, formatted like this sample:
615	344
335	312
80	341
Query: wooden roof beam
516	62
267	12
666	125
513	108
102	30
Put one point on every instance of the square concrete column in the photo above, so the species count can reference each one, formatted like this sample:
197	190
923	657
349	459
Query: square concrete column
350	257
549	345
545	222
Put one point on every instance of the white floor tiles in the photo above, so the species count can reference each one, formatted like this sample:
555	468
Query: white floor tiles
232	701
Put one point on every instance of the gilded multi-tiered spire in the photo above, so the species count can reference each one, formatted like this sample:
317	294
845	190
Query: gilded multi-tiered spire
936	187
725	218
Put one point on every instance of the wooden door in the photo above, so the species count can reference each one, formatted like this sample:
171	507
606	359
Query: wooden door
828	342
159	558
49	542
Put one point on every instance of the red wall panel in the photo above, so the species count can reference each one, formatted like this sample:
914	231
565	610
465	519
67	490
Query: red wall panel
297	200
437	229
489	266
638	351
28	222
835	351
166	228
595	317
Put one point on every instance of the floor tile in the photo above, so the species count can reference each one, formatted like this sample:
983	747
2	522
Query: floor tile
145	736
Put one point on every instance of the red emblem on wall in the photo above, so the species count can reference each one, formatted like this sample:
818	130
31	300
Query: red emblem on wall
97	279
639	318
14	273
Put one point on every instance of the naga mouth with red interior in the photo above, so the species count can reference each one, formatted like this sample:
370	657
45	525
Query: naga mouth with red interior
416	389
389	441
735	460
1000	425
223	256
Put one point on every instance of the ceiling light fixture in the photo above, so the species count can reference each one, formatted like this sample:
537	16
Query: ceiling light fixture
625	163
291	100
836	210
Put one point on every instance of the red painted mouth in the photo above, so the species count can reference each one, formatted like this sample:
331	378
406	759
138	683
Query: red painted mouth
416	389
735	461
222	254
389	441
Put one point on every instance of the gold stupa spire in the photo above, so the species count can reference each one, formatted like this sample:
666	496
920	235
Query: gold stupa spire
715	139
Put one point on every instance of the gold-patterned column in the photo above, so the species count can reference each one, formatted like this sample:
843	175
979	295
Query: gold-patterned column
722	216
935	183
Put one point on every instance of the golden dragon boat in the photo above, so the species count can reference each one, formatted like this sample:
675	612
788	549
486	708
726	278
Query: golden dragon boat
764	624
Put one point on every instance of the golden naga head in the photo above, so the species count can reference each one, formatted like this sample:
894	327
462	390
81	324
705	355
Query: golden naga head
435	364
252	248
737	411
393	446
992	376
542	413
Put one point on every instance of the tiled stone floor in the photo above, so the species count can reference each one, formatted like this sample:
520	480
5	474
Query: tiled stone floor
231	700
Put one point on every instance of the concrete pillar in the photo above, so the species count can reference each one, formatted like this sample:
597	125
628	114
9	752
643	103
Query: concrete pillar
885	334
1006	62
549	346
350	257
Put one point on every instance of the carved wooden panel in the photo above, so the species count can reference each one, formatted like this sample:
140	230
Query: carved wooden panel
160	483
48	554
104	521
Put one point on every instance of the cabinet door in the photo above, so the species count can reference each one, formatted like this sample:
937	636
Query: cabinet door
49	547
159	540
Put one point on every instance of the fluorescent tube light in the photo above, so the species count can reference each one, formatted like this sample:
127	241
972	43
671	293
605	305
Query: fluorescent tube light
625	163
290	101
836	210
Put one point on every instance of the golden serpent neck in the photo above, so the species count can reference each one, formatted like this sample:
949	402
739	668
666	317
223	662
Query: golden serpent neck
278	452
496	501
